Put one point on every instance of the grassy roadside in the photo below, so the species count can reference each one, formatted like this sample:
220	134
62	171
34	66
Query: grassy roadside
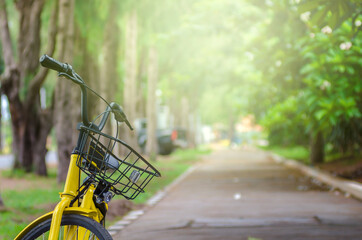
299	153
24	203
25	198
348	166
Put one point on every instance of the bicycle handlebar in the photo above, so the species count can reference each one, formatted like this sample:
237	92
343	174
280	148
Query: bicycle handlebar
53	64
66	70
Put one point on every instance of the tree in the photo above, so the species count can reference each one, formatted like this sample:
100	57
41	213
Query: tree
67	93
1	202
111	42
324	66
130	80
332	72
151	145
22	80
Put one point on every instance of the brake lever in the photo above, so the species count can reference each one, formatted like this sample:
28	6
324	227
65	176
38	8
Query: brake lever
119	114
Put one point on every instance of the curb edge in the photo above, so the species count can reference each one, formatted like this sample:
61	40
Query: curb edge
348	186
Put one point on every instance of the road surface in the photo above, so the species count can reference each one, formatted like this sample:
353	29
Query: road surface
235	194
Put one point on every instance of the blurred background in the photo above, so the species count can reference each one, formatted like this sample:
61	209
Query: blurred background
283	75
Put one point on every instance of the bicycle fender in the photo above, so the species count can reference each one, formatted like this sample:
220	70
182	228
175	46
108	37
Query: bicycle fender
71	210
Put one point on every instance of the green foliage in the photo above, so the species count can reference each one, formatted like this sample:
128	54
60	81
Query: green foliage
319	86
331	12
285	122
333	94
294	65
291	152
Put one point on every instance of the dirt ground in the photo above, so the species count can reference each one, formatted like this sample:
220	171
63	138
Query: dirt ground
347	168
21	184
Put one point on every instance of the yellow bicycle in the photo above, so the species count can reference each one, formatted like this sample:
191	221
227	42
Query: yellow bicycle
111	168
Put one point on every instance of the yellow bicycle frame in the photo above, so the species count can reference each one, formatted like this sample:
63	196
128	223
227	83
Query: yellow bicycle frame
87	206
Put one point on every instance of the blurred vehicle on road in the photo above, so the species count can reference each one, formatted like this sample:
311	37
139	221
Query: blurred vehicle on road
168	139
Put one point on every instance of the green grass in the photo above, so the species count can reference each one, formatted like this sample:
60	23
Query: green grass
21	174
23	206
299	153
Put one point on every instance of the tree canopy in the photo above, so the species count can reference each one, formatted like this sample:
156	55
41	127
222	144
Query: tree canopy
293	64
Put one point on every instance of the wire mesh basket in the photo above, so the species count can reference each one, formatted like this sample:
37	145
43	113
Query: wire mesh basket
109	159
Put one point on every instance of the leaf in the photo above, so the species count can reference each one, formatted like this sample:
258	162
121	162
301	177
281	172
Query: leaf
319	16
338	113
306	69
357	88
309	6
333	119
335	17
347	103
320	114
350	70
311	100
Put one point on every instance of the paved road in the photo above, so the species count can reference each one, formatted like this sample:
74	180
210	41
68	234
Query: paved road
243	195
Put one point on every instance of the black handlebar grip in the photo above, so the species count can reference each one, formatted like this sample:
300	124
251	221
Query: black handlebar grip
53	64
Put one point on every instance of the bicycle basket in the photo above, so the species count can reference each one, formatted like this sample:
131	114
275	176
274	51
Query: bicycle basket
112	160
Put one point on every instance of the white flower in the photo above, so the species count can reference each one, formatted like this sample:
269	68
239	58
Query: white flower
311	35
325	85
305	16
358	23
345	45
278	63
249	55
269	3
326	30
294	1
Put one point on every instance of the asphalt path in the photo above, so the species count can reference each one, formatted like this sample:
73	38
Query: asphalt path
243	194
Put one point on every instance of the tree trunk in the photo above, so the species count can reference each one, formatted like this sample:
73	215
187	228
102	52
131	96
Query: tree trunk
317	148
1	127
67	103
24	105
191	136
109	73
231	131
151	145
29	50
40	132
1	202
130	83
185	121
88	70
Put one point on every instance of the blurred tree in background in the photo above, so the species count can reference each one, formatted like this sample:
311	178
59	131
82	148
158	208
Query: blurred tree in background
22	79
295	65
320	74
